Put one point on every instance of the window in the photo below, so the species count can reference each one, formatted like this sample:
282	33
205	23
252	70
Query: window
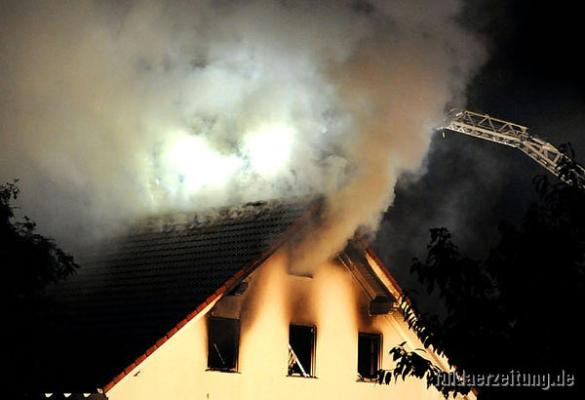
223	337
368	355
301	350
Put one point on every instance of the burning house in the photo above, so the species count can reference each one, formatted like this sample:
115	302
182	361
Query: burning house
214	309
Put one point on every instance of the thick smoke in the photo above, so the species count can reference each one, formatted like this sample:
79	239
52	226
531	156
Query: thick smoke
114	110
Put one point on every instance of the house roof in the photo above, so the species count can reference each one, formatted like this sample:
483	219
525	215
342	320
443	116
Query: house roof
141	287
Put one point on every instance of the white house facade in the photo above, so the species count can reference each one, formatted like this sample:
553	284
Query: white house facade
290	337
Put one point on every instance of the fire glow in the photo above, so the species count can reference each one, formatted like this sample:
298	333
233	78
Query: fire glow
196	165
268	149
190	164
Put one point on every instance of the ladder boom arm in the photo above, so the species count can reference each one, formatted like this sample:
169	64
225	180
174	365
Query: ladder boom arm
507	133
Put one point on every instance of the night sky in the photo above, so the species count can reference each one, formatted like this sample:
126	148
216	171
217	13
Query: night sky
533	77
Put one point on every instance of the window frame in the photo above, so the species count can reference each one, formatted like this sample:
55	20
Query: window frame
312	365
379	337
236	356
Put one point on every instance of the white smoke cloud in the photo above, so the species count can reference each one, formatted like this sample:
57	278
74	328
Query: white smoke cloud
112	111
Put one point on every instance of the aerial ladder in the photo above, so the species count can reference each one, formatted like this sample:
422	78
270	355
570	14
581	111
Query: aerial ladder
507	133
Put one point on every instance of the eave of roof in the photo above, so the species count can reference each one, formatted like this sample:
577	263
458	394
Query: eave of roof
441	361
68	396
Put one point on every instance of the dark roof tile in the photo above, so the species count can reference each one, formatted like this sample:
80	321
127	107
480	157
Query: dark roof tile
132	290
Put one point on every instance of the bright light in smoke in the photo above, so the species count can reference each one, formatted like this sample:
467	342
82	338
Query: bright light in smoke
196	164
191	164
269	148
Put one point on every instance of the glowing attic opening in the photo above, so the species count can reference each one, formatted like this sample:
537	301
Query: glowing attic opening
197	164
191	163
268	148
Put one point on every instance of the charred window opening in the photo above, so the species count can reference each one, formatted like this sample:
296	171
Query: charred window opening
368	355
301	351
223	337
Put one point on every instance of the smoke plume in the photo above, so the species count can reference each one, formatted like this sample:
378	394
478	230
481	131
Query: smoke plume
115	110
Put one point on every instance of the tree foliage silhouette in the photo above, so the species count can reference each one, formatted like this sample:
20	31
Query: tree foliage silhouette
519	309
30	262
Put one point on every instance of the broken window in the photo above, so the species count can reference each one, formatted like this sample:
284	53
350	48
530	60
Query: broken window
368	355
223	336
301	350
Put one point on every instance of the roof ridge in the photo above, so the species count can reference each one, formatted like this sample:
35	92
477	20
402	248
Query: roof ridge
181	220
